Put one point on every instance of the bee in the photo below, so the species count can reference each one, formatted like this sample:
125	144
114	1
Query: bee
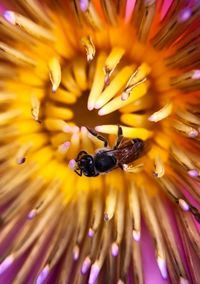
105	160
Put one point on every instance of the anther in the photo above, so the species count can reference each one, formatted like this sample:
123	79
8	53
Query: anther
89	47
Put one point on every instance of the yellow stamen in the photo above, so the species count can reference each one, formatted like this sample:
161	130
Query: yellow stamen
112	61
92	17
7	71
142	104
8	150
55	73
42	159
103	245
159	167
22	152
185	129
115	86
171	241
137	120
169	188
79	68
146	19
182	158
110	11
119	215
158	151
138	77
188	116
35	9
29	26
98	81
138	275
89	47
86	142
154	227
63	96
135	211
63	148
82	213
7	116
188	81
53	111
35	109
69	82
117	103
74	146
128	132
163	113
59	138
27	79
15	33
58	125
111	199
126	93
14	55
27	126
38	140
97	211
51	192
131	168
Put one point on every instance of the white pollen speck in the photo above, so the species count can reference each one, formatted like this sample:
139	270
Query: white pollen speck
101	112
90	106
193	133
10	17
86	265
196	75
64	147
193	173
184	205
6	263
72	164
115	249
43	275
162	267
54	88
90	233
120	281
125	96
67	129
32	214
136	235
184	15
94	272
76	252
84	4
183	280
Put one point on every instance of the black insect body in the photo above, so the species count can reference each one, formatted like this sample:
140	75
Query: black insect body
105	160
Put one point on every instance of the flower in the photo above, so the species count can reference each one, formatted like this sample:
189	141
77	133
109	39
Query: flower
70	64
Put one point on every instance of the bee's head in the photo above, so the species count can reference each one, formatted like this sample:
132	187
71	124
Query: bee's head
84	164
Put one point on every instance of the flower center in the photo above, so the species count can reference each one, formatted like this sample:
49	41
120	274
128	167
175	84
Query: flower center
106	91
84	117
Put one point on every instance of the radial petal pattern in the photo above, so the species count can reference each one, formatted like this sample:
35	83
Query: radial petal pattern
67	67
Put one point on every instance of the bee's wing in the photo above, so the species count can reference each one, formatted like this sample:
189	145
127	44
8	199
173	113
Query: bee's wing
125	154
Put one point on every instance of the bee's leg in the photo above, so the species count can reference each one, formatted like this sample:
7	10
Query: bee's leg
80	154
96	134
78	173
121	166
119	137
